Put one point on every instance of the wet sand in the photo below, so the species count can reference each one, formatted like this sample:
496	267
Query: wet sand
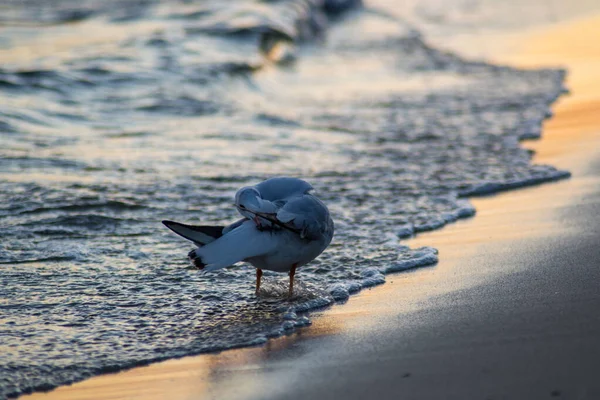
509	312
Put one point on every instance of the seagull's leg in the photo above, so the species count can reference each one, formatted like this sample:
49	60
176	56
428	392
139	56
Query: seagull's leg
292	273
258	278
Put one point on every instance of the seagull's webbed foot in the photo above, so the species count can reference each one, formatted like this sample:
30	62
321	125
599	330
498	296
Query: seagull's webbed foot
196	260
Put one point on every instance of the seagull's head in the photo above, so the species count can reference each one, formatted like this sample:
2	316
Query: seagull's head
247	198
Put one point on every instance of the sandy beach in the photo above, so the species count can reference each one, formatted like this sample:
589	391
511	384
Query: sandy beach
509	312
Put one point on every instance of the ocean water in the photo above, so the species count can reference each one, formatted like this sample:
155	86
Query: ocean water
115	115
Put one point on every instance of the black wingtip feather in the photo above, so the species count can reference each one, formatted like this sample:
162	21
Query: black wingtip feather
216	231
199	234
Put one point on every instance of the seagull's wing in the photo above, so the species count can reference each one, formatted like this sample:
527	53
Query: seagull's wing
237	245
308	215
305	215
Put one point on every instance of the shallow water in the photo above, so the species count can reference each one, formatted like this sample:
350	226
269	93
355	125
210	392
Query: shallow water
114	118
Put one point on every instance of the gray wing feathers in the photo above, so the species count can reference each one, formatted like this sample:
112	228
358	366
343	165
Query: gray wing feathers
307	214
236	224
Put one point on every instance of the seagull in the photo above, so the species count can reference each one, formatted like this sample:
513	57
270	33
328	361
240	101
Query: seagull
284	226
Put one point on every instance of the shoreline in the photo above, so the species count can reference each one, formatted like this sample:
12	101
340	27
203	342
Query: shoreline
567	142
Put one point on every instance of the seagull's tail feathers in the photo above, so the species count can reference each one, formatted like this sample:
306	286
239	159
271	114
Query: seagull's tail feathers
239	244
199	234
